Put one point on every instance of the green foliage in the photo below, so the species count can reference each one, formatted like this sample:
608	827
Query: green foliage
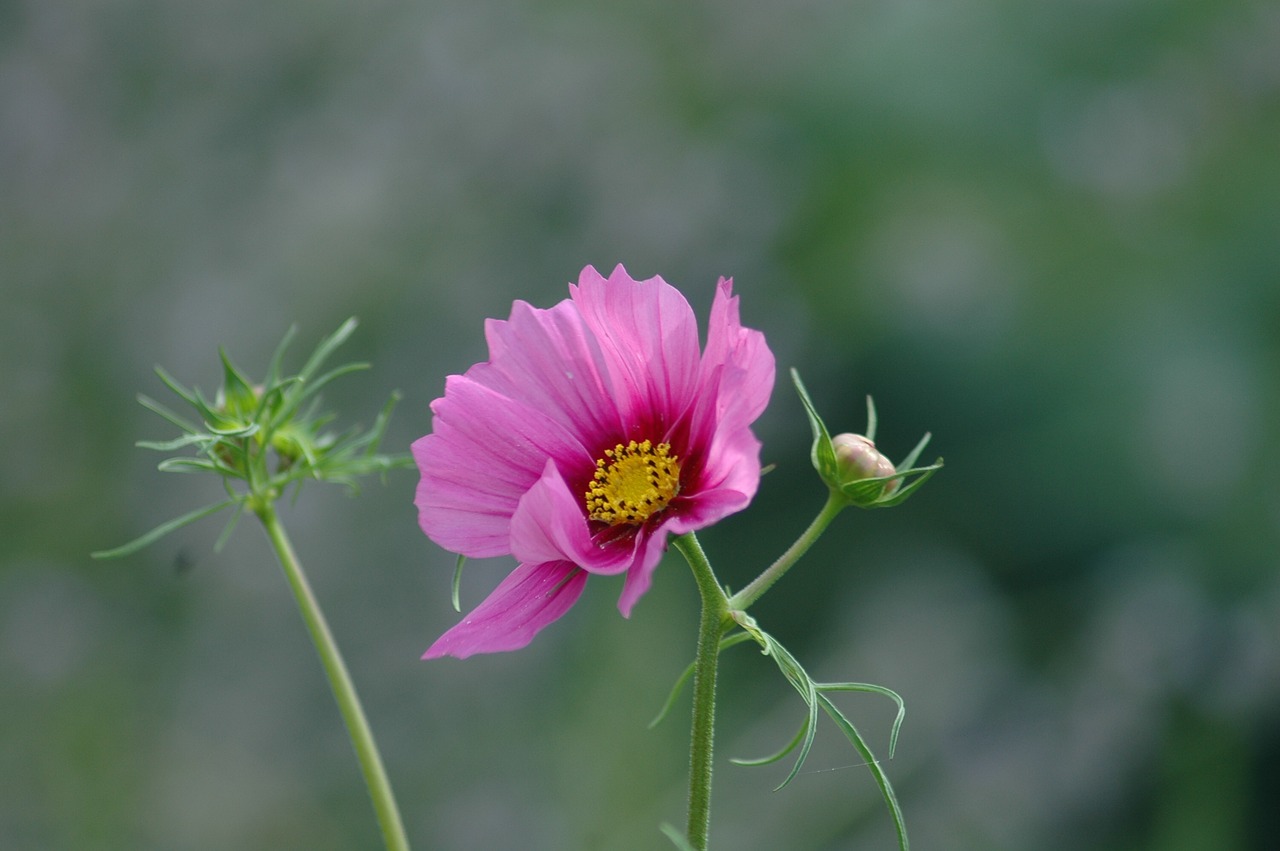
815	697
265	439
677	838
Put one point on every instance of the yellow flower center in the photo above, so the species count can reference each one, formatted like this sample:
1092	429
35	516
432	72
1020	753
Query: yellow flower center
633	482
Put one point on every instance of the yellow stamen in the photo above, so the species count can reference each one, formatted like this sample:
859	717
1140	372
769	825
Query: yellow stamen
632	483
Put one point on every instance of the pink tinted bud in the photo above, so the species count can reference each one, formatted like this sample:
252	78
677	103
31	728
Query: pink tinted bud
857	458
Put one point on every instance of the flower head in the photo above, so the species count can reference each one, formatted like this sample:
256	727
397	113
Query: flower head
597	428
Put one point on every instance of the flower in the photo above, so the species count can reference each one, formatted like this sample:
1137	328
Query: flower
596	429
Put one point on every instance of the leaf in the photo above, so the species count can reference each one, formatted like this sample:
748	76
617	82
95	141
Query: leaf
882	780
172	383
677	838
672	696
155	407
815	697
162	530
873	689
804	685
725	643
774	757
230	527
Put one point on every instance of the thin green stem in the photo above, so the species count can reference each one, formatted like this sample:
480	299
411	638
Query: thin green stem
743	599
712	625
375	776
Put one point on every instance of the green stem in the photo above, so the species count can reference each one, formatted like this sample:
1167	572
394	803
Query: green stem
712	625
743	599
375	776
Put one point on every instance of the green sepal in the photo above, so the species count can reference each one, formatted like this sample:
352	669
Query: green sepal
155	407
868	493
295	389
233	429
327	347
457	582
871	420
212	415
192	465
822	455
910	461
238	399
172	383
272	381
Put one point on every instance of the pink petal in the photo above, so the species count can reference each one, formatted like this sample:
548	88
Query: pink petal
550	524
551	361
735	383
484	452
649	337
713	505
640	575
730	451
529	599
744	386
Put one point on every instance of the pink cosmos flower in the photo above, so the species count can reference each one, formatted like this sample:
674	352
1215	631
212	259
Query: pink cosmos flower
596	429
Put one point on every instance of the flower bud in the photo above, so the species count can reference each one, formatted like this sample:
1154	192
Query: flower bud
288	444
857	458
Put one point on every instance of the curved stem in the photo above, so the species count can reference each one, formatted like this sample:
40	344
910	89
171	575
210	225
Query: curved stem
743	599
712	625
344	690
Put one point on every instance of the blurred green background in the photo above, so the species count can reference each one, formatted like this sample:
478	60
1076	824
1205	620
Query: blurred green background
1047	232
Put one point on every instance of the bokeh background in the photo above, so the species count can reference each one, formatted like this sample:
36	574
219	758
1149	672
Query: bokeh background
1046	232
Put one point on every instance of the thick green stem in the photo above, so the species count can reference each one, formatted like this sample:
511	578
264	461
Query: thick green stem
743	599
712	625
375	776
